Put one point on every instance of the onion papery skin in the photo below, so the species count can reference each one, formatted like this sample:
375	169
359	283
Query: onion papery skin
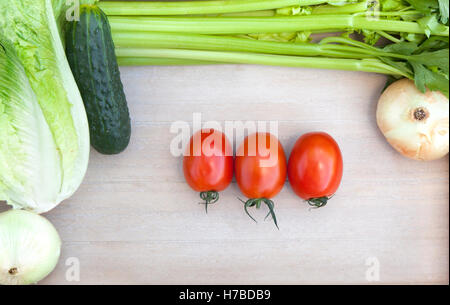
416	124
29	247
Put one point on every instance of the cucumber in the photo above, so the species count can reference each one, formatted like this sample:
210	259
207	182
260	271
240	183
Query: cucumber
91	55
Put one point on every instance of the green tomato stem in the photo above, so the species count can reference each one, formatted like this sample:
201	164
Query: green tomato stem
208	198
257	203
318	202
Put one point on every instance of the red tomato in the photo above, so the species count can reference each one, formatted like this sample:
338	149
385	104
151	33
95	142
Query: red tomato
208	164
315	168
260	170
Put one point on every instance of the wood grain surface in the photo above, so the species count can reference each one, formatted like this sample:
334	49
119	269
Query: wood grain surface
135	221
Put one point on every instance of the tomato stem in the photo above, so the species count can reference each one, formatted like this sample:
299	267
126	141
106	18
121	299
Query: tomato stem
257	203
318	202
209	197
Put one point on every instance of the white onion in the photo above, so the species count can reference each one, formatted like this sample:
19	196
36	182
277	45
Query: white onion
416	124
29	247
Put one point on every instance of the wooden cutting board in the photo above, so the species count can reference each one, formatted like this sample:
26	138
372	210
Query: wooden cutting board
134	220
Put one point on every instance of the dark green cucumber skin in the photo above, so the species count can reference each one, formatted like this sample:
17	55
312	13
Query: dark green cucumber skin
91	55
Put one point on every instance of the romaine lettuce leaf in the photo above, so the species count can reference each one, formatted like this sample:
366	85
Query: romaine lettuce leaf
32	28
29	161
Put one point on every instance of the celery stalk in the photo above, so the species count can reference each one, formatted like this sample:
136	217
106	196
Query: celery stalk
122	8
344	9
234	44
245	25
365	65
149	61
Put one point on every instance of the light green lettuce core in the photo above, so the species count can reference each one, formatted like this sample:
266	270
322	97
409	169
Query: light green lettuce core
29	162
31	27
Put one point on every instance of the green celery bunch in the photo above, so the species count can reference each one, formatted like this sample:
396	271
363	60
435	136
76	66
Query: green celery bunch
279	32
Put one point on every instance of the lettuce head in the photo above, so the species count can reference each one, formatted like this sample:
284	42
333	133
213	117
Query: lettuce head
44	135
